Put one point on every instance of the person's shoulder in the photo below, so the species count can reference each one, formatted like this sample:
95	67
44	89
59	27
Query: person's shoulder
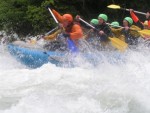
135	27
76	25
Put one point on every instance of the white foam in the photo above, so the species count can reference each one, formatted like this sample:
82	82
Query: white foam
106	88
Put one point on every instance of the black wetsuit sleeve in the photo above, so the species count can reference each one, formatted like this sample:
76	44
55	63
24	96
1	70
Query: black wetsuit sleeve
139	24
108	31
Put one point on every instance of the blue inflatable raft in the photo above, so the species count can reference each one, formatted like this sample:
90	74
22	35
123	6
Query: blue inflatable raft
34	58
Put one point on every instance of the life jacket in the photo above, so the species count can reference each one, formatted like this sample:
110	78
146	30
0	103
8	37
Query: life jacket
131	35
69	28
134	30
75	31
117	33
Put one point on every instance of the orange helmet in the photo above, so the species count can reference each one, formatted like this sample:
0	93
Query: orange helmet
68	17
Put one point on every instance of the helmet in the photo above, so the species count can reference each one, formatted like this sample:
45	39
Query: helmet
129	20
145	23
115	24
94	21
103	16
68	17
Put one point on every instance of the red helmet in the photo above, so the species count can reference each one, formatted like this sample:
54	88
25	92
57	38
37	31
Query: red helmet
68	17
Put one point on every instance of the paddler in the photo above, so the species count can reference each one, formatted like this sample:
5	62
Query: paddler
103	29
130	31
116	30
71	29
142	25
91	33
70	35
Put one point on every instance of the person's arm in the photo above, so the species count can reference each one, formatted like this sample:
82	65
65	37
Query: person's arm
136	19
58	16
76	32
107	31
52	36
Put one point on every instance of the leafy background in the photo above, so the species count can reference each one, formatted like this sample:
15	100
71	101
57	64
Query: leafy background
31	16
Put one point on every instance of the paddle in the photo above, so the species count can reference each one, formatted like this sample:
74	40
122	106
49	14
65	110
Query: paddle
117	43
145	32
113	6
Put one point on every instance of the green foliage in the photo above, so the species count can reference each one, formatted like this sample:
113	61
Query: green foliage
12	14
31	16
25	16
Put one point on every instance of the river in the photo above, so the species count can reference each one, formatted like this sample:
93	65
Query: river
105	88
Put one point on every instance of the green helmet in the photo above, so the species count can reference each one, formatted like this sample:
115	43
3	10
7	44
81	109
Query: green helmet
129	20
103	16
115	24
94	21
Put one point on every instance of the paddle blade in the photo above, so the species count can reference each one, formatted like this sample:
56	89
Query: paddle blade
119	44
112	6
145	32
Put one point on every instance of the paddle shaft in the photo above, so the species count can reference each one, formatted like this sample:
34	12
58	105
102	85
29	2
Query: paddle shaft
86	23
53	15
51	31
134	11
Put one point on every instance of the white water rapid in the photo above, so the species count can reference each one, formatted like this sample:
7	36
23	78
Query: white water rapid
106	88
